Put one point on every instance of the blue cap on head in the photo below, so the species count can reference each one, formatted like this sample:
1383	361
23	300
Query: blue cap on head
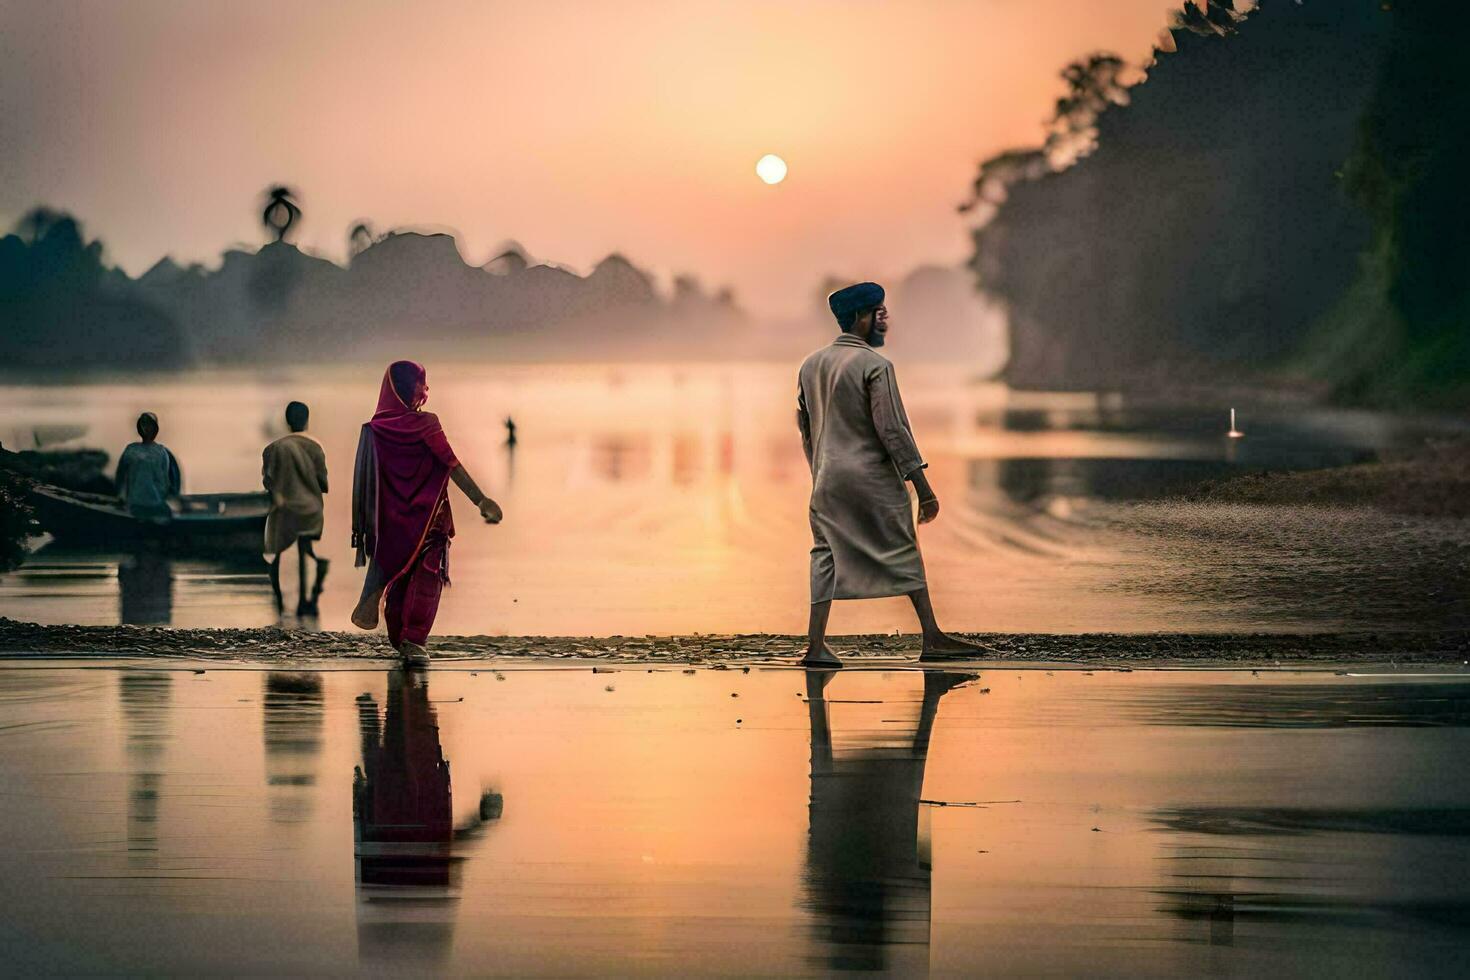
849	300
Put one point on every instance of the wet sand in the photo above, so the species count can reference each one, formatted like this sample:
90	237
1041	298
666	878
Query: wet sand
1112	649
1432	481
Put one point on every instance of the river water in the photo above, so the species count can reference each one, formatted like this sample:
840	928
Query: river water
514	819
650	499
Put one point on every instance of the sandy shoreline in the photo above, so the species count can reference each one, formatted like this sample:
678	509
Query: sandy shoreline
1430	485
1448	647
1431	481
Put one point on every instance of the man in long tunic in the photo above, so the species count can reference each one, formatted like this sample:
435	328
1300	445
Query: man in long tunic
294	472
862	453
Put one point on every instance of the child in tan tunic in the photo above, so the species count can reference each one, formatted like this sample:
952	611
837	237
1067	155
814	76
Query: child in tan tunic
294	471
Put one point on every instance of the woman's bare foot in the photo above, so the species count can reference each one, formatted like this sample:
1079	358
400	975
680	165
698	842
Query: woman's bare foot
821	658
365	616
413	654
946	647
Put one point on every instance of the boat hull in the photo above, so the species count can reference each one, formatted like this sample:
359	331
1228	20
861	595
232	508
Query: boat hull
201	523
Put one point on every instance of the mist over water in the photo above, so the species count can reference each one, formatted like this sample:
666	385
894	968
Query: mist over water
672	499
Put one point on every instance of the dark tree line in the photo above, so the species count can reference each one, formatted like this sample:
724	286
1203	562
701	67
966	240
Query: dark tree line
1284	195
1408	170
61	307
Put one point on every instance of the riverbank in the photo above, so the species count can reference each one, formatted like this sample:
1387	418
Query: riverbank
1433	481
1374	548
272	644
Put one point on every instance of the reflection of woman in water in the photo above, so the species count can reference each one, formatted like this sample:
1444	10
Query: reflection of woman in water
868	870
402	813
401	794
400	511
402	818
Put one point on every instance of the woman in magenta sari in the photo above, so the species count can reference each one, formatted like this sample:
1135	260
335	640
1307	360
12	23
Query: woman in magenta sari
401	523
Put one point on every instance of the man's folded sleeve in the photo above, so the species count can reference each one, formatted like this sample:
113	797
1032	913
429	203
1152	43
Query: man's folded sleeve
892	423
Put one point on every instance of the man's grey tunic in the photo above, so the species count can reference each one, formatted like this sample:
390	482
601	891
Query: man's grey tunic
861	449
147	476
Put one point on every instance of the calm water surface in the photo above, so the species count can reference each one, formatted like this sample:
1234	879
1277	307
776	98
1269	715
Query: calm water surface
647	499
169	818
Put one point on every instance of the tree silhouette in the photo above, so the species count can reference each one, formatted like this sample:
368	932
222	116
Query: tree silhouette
1407	172
1094	84
1208	17
62	307
36	222
281	211
360	238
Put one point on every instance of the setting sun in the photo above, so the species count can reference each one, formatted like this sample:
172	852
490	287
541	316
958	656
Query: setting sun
771	169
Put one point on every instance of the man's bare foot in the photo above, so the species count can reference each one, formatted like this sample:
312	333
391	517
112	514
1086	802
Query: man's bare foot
365	616
946	647
821	658
413	654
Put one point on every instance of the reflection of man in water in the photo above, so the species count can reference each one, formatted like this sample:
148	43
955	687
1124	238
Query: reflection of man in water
145	586
294	472
147	473
403	823
145	699
862	452
291	722
868	869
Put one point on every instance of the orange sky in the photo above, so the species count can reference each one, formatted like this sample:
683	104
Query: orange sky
577	128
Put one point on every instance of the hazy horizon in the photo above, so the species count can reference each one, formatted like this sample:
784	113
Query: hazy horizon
576	130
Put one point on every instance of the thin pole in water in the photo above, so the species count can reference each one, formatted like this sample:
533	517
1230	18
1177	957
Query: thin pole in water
1234	433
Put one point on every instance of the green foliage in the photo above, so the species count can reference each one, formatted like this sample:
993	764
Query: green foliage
1407	172
1187	230
1204	235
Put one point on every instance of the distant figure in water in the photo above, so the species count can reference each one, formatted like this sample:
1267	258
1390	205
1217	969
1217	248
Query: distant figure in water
294	472
400	511
148	474
861	451
510	432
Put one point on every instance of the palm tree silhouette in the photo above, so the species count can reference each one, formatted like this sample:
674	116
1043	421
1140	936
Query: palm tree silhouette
280	211
360	238
37	221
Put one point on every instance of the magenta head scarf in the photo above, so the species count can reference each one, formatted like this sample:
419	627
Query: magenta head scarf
412	461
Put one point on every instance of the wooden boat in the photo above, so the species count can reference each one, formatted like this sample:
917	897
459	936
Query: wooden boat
201	522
